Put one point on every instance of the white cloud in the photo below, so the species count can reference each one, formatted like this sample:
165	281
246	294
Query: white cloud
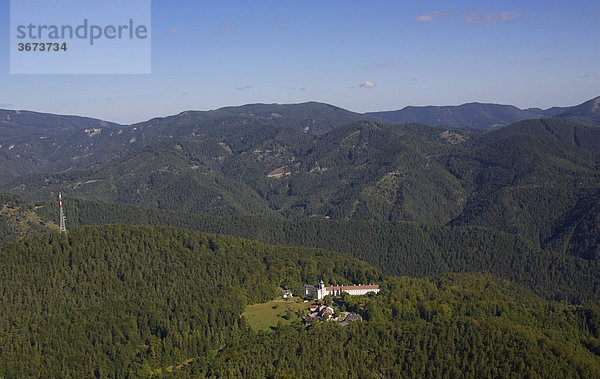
424	18
479	18
244	88
490	18
432	16
5	105
367	84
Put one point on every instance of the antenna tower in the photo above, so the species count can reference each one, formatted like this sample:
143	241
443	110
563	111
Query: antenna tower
62	218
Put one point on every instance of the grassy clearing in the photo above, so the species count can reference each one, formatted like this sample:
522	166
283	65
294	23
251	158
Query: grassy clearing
170	369
266	316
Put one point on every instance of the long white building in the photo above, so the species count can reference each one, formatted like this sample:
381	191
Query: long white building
323	291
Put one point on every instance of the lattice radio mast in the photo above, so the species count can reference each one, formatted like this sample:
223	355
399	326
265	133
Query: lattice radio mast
63	227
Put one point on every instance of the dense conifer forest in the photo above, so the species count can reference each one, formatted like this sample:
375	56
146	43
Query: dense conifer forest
395	248
115	301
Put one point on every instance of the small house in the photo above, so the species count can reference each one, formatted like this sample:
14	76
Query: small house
286	294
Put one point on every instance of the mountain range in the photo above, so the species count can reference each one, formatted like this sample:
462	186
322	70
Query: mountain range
486	116
260	159
536	178
363	170
499	224
37	142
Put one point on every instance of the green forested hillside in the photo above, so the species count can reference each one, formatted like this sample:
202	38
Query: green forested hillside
590	109
395	248
33	142
131	301
578	232
311	117
116	301
364	171
458	325
523	179
166	176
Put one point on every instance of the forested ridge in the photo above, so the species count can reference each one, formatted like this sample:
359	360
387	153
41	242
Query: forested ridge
44	142
396	248
488	116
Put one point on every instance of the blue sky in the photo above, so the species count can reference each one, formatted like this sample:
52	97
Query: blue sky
360	55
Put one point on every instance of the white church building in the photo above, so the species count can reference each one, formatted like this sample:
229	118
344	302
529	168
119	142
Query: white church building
323	291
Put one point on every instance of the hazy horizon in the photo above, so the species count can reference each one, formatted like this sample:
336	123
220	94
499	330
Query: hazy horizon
359	56
309	101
